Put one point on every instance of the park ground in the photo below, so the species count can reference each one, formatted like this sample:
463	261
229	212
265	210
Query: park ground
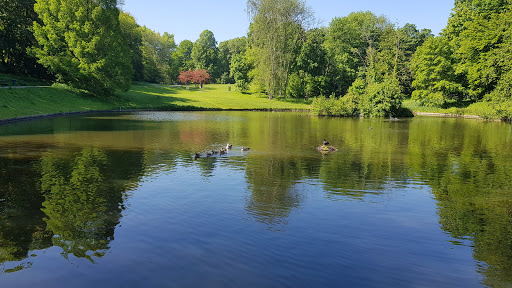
30	98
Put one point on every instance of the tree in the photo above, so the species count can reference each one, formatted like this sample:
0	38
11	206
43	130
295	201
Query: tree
82	43
239	70
435	79
310	68
16	20
352	43
160	66
478	46
277	26
186	76
132	33
227	50
200	76
183	55
205	53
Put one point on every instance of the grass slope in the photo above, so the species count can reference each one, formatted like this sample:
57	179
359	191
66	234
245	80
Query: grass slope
40	101
481	109
215	96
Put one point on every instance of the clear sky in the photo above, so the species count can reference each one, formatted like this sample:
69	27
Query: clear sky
227	19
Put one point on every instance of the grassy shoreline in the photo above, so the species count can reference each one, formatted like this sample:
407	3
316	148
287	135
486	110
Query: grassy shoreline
29	103
26	103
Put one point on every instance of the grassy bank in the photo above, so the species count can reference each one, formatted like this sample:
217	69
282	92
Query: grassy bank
19	102
480	109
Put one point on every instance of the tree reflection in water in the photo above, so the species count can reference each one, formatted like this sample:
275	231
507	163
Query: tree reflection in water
81	209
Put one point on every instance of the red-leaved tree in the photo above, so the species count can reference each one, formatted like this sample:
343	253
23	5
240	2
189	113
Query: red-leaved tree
186	77
199	76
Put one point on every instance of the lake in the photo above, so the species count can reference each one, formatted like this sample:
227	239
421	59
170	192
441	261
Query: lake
119	200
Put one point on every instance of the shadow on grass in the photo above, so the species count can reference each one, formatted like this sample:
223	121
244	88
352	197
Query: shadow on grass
295	100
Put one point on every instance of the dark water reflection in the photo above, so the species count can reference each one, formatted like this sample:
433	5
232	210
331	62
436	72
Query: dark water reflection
119	200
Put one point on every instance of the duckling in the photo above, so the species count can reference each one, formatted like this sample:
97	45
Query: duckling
223	151
215	152
229	146
326	143
244	149
208	154
196	155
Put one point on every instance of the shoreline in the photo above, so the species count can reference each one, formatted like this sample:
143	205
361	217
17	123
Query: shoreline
448	115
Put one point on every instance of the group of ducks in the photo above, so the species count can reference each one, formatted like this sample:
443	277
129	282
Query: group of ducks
222	151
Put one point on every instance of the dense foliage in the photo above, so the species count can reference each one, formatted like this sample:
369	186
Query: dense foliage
471	60
81	43
363	61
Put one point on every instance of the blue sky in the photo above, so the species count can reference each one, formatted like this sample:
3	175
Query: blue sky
227	19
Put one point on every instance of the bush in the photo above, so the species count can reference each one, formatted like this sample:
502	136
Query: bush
344	107
382	99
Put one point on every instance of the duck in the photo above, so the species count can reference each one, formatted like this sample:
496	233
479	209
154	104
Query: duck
326	143
245	149
197	155
229	146
223	151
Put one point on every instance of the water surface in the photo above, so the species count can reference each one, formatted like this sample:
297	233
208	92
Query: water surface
116	200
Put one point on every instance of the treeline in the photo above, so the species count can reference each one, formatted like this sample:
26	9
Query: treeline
361	64
471	60
94	46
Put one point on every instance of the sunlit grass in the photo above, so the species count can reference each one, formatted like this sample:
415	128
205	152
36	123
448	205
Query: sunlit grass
211	97
57	99
481	109
41	101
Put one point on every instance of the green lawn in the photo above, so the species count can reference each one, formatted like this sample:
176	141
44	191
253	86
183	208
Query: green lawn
481	109
15	102
41	101
215	96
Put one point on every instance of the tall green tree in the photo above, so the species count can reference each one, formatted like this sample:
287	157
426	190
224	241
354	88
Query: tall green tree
310	68
82	43
396	48
157	53
183	55
16	20
228	49
352	43
435	78
205	54
132	33
240	68
480	44
276	29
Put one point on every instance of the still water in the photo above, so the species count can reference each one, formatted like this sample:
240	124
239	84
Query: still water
118	200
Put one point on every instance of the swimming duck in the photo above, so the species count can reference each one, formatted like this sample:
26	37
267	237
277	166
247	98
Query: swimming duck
245	149
229	146
197	155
